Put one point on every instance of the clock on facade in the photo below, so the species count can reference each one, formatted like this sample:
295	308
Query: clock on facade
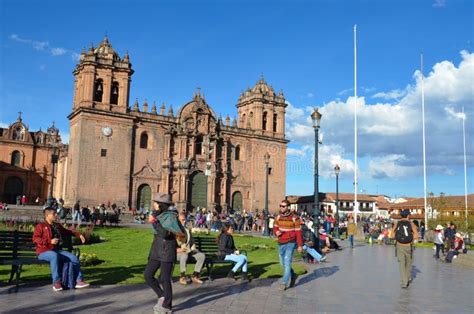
107	131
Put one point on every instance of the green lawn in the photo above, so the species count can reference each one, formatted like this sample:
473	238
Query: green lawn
125	250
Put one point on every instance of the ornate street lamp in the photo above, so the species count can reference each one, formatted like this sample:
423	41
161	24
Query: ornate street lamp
265	210
316	117
337	170
54	161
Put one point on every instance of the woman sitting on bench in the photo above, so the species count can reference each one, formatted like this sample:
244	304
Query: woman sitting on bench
228	252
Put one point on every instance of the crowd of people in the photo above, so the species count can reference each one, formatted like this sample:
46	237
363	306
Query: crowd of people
173	242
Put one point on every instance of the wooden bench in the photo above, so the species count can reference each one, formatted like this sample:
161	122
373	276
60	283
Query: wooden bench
208	246
17	249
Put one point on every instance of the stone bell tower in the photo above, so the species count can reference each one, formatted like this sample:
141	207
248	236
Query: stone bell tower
101	128
261	110
102	79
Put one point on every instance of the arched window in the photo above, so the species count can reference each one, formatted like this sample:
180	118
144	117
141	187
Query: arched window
250	119
264	121
114	93
98	90
237	152
199	145
16	158
144	140
275	119
242	123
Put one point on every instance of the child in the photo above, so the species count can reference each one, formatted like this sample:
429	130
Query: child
439	240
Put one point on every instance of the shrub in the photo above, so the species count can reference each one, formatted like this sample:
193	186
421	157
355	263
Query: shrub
89	259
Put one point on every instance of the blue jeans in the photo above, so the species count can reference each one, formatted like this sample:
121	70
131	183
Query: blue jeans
312	252
240	260
77	216
351	240
57	257
286	256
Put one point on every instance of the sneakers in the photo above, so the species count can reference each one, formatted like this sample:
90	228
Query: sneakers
195	279
323	258
245	276
159	308
57	286
183	280
282	287
81	284
231	275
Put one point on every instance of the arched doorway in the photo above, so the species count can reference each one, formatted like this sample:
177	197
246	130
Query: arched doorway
197	194
144	197
237	201
13	187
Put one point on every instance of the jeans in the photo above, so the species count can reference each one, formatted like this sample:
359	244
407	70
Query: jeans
286	255
164	279
351	240
312	252
240	260
77	216
56	258
439	247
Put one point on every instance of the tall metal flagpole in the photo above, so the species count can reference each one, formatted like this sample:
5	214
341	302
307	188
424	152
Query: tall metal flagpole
465	168
424	143
356	204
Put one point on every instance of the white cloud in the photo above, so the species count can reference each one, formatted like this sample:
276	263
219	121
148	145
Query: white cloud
390	134
44	46
393	94
439	3
391	166
58	51
453	114
310	95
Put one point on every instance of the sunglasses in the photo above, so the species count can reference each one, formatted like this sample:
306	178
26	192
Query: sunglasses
283	206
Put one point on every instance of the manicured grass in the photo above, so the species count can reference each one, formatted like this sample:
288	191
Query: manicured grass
125	251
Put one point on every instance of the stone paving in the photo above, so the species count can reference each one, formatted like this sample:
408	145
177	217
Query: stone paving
363	279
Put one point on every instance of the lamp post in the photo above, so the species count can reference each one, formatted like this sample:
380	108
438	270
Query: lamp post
265	210
316	117
54	160
337	169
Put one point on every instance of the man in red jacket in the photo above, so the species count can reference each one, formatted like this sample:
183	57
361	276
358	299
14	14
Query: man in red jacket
287	228
48	237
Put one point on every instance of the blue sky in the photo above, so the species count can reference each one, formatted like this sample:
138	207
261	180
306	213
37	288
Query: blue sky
301	47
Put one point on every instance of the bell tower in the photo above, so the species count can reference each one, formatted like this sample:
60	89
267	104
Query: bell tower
261	110
102	79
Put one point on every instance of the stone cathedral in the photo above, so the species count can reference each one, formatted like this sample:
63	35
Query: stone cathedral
124	154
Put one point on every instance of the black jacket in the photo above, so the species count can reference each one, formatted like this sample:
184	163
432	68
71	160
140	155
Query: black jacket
164	245
226	245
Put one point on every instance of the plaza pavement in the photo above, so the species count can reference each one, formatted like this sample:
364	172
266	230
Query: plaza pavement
363	279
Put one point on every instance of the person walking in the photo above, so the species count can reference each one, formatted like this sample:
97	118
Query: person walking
76	217
351	231
406	236
162	256
287	228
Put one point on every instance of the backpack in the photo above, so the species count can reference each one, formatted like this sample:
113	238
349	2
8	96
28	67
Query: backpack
169	220
404	232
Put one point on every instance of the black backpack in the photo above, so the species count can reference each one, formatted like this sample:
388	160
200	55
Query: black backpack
404	232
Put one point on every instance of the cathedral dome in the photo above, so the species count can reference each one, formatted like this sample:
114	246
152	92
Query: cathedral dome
105	49
262	88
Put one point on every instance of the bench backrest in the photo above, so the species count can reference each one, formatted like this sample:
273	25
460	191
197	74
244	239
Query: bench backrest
16	245
206	245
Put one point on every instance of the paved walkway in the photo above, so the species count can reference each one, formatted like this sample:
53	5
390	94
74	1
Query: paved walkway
364	279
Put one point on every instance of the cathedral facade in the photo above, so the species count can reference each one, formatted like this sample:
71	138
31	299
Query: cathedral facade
124	154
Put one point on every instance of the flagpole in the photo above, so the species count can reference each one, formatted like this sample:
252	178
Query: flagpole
465	168
356	205
424	140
